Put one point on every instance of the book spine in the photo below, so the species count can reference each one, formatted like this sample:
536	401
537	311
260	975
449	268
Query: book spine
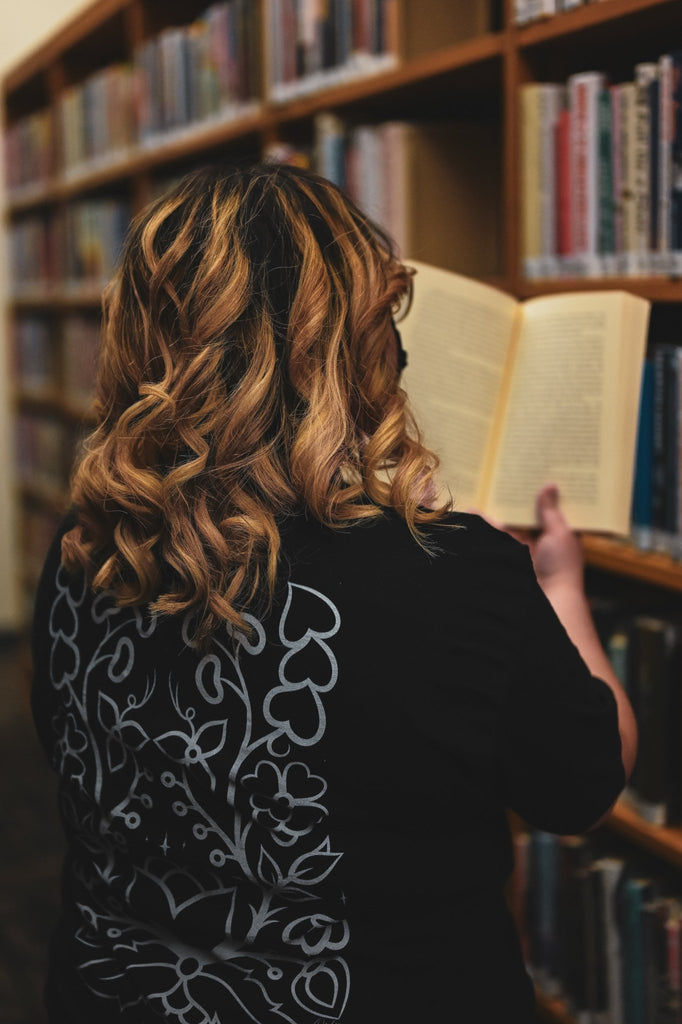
584	90
396	139
530	180
645	72
634	894
543	932
616	176
551	102
563	186
654	787
654	170
676	165
658	468
627	148
611	873
642	492
665	129
606	224
672	414
329	148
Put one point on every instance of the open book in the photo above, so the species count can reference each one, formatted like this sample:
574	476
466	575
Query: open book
513	395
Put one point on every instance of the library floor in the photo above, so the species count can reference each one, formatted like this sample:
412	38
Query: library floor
30	848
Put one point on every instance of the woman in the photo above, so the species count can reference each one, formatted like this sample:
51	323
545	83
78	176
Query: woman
288	701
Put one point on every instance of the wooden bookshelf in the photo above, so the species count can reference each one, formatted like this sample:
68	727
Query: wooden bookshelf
460	62
624	559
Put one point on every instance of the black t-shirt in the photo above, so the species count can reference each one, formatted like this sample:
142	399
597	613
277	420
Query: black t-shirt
308	824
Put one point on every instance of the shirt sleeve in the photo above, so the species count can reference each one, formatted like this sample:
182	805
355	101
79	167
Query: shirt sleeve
560	751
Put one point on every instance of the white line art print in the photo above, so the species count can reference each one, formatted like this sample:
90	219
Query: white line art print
195	800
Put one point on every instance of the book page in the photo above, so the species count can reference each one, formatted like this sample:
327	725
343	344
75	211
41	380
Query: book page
457	337
571	410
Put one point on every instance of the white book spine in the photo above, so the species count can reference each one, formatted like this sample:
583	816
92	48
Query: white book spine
665	132
645	72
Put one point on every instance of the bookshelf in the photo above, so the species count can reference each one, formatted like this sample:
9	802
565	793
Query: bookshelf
451	70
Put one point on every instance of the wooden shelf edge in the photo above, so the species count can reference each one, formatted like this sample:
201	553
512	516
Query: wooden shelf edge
55	298
625	559
51	498
657	289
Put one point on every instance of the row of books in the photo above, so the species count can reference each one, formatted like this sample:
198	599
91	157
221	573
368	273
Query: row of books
597	931
49	362
412	177
44	451
657	486
207	70
645	649
312	46
601	167
189	75
185	75
76	247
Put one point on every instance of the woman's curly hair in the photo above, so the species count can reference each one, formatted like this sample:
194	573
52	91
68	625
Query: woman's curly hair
247	373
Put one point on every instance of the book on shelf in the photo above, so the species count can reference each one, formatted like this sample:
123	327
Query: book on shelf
664	469
542	910
676	162
80	345
413	177
625	98
657	494
642	491
637	892
606	207
645	73
312	46
654	670
512	395
526	11
612	932
541	105
584	97
576	959
609	873
617	173
33	355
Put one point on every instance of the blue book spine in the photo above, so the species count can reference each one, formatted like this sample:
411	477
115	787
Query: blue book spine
642	486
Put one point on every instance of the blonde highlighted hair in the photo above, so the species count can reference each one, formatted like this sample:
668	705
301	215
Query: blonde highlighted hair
247	373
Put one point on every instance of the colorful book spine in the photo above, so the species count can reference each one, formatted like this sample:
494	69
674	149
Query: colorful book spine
584	90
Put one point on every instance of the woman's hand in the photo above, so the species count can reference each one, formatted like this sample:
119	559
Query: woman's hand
554	547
